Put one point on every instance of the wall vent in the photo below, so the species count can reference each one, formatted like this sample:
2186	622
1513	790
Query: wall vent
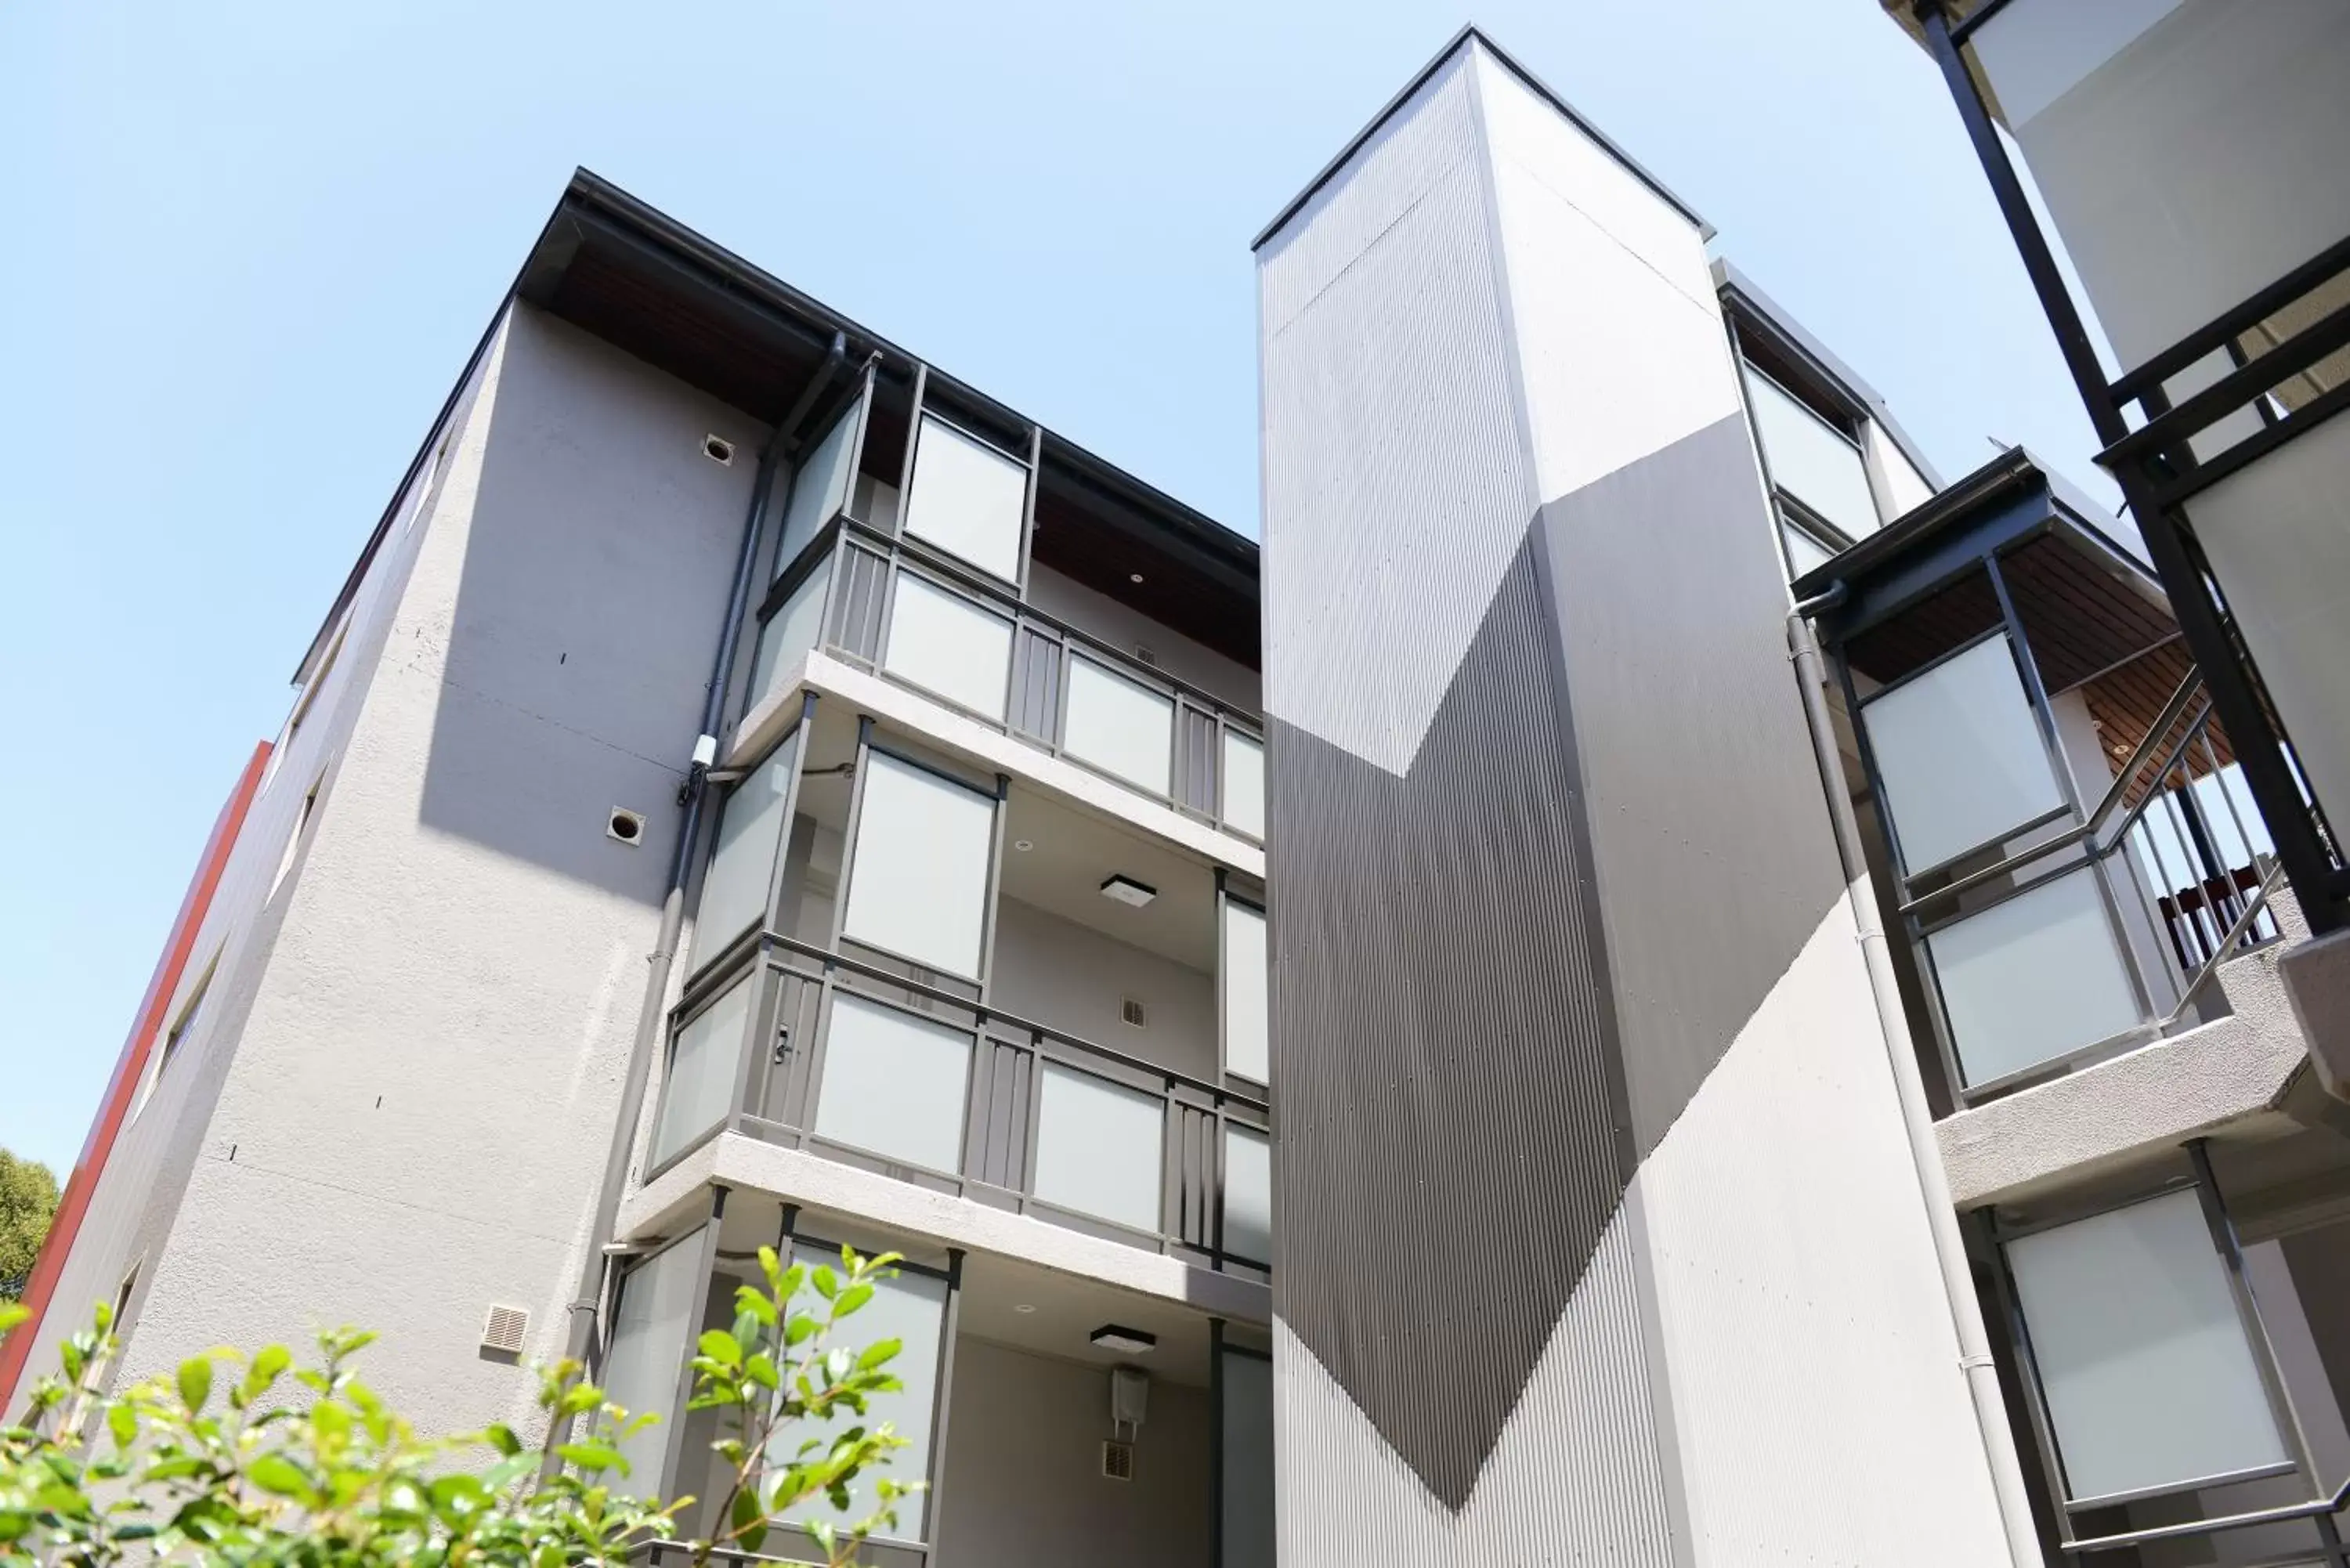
1118	1460
1144	656
717	449
504	1329
1132	1011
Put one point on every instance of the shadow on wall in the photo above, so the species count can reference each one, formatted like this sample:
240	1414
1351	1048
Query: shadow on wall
593	576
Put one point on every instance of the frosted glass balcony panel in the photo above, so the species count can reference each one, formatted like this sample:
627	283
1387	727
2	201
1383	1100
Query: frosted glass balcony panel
1811	459
1960	755
893	1084
1247	1497
1248	1194
967	499
1243	784
788	635
1247	993
2149	1379
910	1308
742	868
818	489
944	642
660	1305
703	1063
1099	1147
2033	978
1120	726
918	873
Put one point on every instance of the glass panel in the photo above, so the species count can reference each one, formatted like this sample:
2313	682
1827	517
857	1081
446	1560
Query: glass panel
1247	1494
1243	784
742	867
1804	552
1247	995
893	1084
917	881
911	1309
942	641
2028	980
703	1063
1099	1147
2149	1379
968	499
789	633
1811	459
659	1306
818	490
1960	755
2203	133
1120	726
1248	1194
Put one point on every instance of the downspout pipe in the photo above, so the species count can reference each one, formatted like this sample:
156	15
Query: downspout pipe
690	796
1975	1362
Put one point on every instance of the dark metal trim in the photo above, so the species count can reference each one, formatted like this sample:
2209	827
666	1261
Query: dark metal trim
2234	322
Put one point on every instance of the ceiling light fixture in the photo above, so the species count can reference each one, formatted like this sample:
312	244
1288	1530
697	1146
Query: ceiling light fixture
1134	576
1127	890
1022	1307
1023	845
1125	1341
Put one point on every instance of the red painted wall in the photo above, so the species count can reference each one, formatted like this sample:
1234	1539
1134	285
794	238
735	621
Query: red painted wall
16	1348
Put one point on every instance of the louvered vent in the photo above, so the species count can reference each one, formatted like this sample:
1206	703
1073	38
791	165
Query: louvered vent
504	1329
1144	656
1118	1460
1131	1011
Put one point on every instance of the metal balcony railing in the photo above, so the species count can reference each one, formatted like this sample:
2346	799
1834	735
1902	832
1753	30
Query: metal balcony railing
1004	663
859	1062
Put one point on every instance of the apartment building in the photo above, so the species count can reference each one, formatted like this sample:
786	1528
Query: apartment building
2184	156
916	749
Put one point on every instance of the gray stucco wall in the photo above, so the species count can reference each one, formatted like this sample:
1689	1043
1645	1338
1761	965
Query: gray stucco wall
1022	1483
400	1117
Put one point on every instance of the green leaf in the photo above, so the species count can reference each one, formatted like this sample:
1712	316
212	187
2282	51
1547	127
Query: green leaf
827	1283
849	1299
12	1313
123	1422
799	1328
721	1347
760	1369
195	1382
593	1458
276	1473
879	1351
501	1436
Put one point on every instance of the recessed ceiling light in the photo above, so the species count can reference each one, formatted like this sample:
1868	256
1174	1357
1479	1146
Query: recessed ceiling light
1125	1341
1127	890
1023	845
1134	576
1022	1307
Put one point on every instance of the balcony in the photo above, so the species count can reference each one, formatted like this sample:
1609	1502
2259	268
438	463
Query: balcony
925	577
903	967
1007	1401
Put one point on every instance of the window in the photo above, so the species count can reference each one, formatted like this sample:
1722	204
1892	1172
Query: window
1099	1148
307	699
1960	755
910	1308
917	878
182	1029
968	498
1243	784
294	839
1121	726
1811	459
742	864
894	1083
818	487
660	1305
704	1059
796	626
944	643
2144	1362
1246	992
1804	552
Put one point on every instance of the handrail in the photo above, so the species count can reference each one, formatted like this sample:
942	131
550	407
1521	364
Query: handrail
988	1012
965	577
2223	949
2238	318
2284	1513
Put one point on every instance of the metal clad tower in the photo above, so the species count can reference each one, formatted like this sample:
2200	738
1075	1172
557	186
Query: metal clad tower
1599	1239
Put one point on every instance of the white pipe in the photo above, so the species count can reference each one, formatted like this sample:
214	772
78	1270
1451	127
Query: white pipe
1975	1363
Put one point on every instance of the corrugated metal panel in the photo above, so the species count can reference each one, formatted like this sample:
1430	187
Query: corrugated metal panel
857	603
1195	759
1035	683
1442	1042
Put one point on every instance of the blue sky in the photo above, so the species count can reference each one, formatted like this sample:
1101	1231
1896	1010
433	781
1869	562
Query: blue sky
252	242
